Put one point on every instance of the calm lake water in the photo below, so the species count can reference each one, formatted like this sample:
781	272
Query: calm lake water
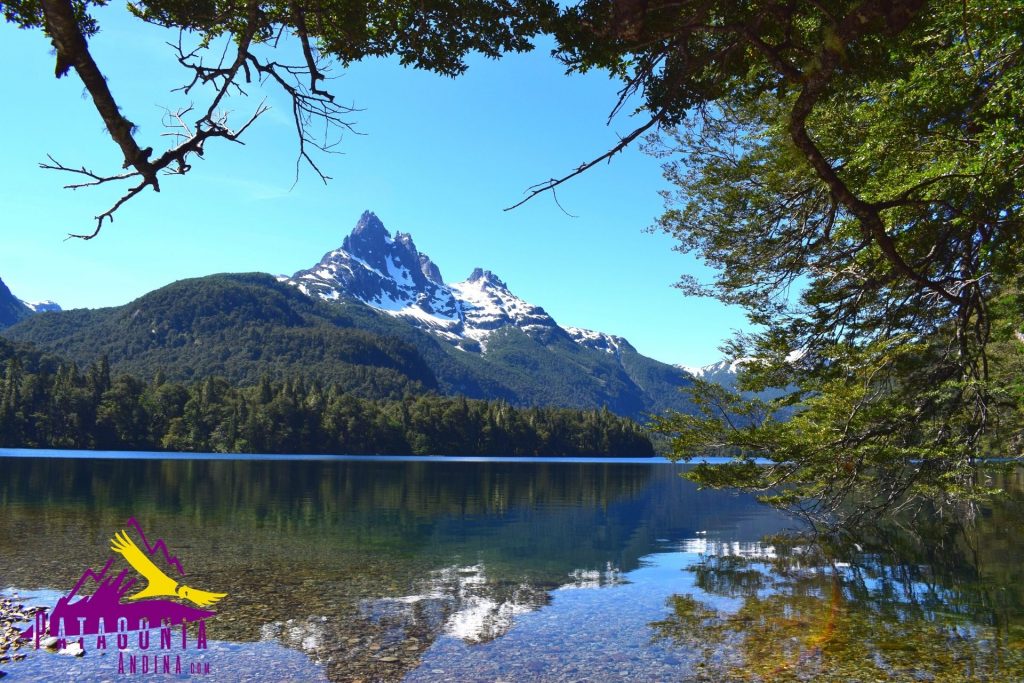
439	570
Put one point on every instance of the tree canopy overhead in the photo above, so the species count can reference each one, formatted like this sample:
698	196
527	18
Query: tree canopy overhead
866	155
227	49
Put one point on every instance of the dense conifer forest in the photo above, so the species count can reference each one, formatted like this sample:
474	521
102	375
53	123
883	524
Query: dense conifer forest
46	402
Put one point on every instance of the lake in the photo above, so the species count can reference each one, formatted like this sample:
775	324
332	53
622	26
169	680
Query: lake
376	569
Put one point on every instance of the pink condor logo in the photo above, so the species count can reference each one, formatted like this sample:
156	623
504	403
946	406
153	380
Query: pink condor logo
129	601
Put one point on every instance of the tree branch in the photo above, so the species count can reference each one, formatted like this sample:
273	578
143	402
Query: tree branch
73	50
853	26
309	102
550	185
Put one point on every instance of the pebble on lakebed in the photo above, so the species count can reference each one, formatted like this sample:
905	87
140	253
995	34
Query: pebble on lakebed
12	615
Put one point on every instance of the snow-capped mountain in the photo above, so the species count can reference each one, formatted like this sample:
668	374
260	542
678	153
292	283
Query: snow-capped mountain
391	275
42	306
384	272
488	305
378	304
723	372
13	309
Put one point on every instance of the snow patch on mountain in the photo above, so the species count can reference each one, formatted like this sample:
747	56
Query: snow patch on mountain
609	343
715	372
391	275
488	305
725	371
41	306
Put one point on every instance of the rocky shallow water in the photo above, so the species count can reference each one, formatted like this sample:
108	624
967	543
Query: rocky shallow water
14	616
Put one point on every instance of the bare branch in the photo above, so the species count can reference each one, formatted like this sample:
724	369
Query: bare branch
226	77
109	213
97	179
307	51
550	185
72	50
308	105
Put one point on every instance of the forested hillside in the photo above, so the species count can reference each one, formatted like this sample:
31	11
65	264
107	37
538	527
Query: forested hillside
48	403
240	327
243	327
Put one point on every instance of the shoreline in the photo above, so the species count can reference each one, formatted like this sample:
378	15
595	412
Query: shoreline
13	611
73	454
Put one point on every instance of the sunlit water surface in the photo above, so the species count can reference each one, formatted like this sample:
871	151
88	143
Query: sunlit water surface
440	570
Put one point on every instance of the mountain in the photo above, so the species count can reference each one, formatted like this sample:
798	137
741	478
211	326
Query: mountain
487	305
376	316
13	309
723	372
43	306
388	274
238	326
513	348
391	275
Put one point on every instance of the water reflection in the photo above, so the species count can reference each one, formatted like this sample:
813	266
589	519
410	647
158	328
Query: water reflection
461	602
362	566
442	571
927	597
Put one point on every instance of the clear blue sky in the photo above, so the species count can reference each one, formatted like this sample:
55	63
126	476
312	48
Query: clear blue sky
439	158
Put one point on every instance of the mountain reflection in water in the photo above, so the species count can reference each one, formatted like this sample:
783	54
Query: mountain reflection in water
434	571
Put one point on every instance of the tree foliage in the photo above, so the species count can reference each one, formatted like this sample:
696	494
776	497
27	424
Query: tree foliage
852	170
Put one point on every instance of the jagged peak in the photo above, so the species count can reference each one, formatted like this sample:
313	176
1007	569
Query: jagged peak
479	274
430	269
391	275
405	239
368	233
369	221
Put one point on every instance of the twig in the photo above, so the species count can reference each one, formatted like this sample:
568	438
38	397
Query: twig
551	184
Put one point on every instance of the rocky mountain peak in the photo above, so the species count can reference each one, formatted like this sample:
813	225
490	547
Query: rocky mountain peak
388	274
479	275
370	225
430	269
391	275
368	240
